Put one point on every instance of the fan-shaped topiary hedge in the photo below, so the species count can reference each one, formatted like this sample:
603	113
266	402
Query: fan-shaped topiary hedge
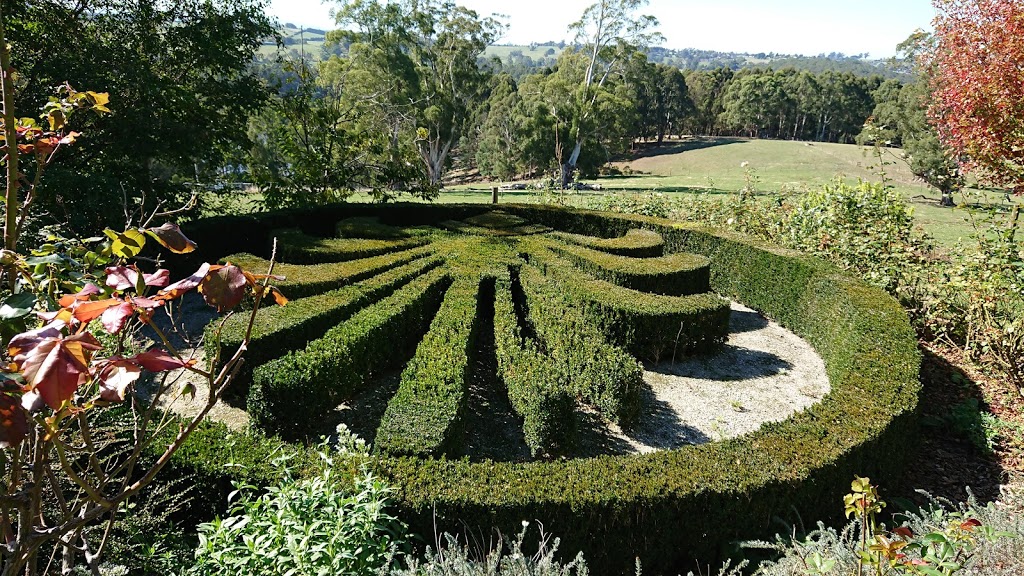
551	300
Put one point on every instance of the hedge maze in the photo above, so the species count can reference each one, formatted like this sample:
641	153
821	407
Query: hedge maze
557	308
569	324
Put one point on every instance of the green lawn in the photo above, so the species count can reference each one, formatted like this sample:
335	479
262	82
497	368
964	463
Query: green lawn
715	165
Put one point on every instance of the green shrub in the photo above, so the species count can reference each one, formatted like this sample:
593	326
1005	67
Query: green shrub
648	325
304	526
282	329
677	274
980	540
458	559
495	219
635	243
653	204
424	417
302	281
599	373
294	247
540	393
368	227
289	395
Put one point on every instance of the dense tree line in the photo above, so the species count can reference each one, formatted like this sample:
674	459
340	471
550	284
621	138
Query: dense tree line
181	88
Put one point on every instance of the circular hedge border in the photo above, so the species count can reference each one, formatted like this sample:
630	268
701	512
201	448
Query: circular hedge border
666	508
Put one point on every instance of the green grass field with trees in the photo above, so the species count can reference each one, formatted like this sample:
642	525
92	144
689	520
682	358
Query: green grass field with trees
334	181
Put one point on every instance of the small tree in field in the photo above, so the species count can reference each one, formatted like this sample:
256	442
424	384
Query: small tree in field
978	85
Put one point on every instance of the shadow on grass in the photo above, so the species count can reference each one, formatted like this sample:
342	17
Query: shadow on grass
653	149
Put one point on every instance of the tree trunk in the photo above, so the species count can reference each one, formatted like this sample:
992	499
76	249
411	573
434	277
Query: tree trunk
570	166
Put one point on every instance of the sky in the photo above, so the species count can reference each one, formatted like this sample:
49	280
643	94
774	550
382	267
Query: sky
806	27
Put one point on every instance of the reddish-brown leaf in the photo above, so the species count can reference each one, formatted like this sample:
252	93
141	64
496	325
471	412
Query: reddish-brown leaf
181	287
127	277
158	360
115	317
115	376
171	237
86	312
89	290
13	421
224	287
54	367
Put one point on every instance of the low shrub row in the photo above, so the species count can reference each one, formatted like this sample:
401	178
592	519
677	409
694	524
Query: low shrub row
636	243
424	417
539	392
648	325
282	329
678	274
311	279
291	394
368	227
295	247
603	375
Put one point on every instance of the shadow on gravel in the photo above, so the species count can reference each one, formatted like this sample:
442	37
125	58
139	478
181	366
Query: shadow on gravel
730	364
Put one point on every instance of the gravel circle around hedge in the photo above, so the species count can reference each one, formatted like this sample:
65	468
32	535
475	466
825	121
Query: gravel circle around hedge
764	373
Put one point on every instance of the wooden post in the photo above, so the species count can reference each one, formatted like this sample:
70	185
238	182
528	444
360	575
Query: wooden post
494	195
1013	223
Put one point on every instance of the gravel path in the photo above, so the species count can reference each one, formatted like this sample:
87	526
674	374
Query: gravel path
764	373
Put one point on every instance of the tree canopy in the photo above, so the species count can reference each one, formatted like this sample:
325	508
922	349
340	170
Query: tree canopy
978	86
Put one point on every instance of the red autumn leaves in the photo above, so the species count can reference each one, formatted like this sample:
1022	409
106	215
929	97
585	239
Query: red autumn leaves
978	85
52	364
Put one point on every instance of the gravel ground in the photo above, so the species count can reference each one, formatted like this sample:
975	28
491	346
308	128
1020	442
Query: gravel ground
764	373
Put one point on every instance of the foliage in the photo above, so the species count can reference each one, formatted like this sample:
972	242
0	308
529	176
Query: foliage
728	489
978	86
281	330
866	227
424	416
415	68
537	390
900	118
635	243
677	274
600	374
939	540
340	362
648	325
62	470
299	248
312	145
184	88
304	526
457	559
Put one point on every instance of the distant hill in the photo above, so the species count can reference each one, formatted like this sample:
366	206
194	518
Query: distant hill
523	59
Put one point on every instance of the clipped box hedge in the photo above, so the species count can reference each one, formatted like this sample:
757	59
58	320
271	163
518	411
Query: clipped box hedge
282	329
650	326
634	243
424	417
290	395
302	281
539	391
296	247
601	374
368	227
669	508
679	274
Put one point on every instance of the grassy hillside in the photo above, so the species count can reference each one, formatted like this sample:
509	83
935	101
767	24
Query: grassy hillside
714	165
